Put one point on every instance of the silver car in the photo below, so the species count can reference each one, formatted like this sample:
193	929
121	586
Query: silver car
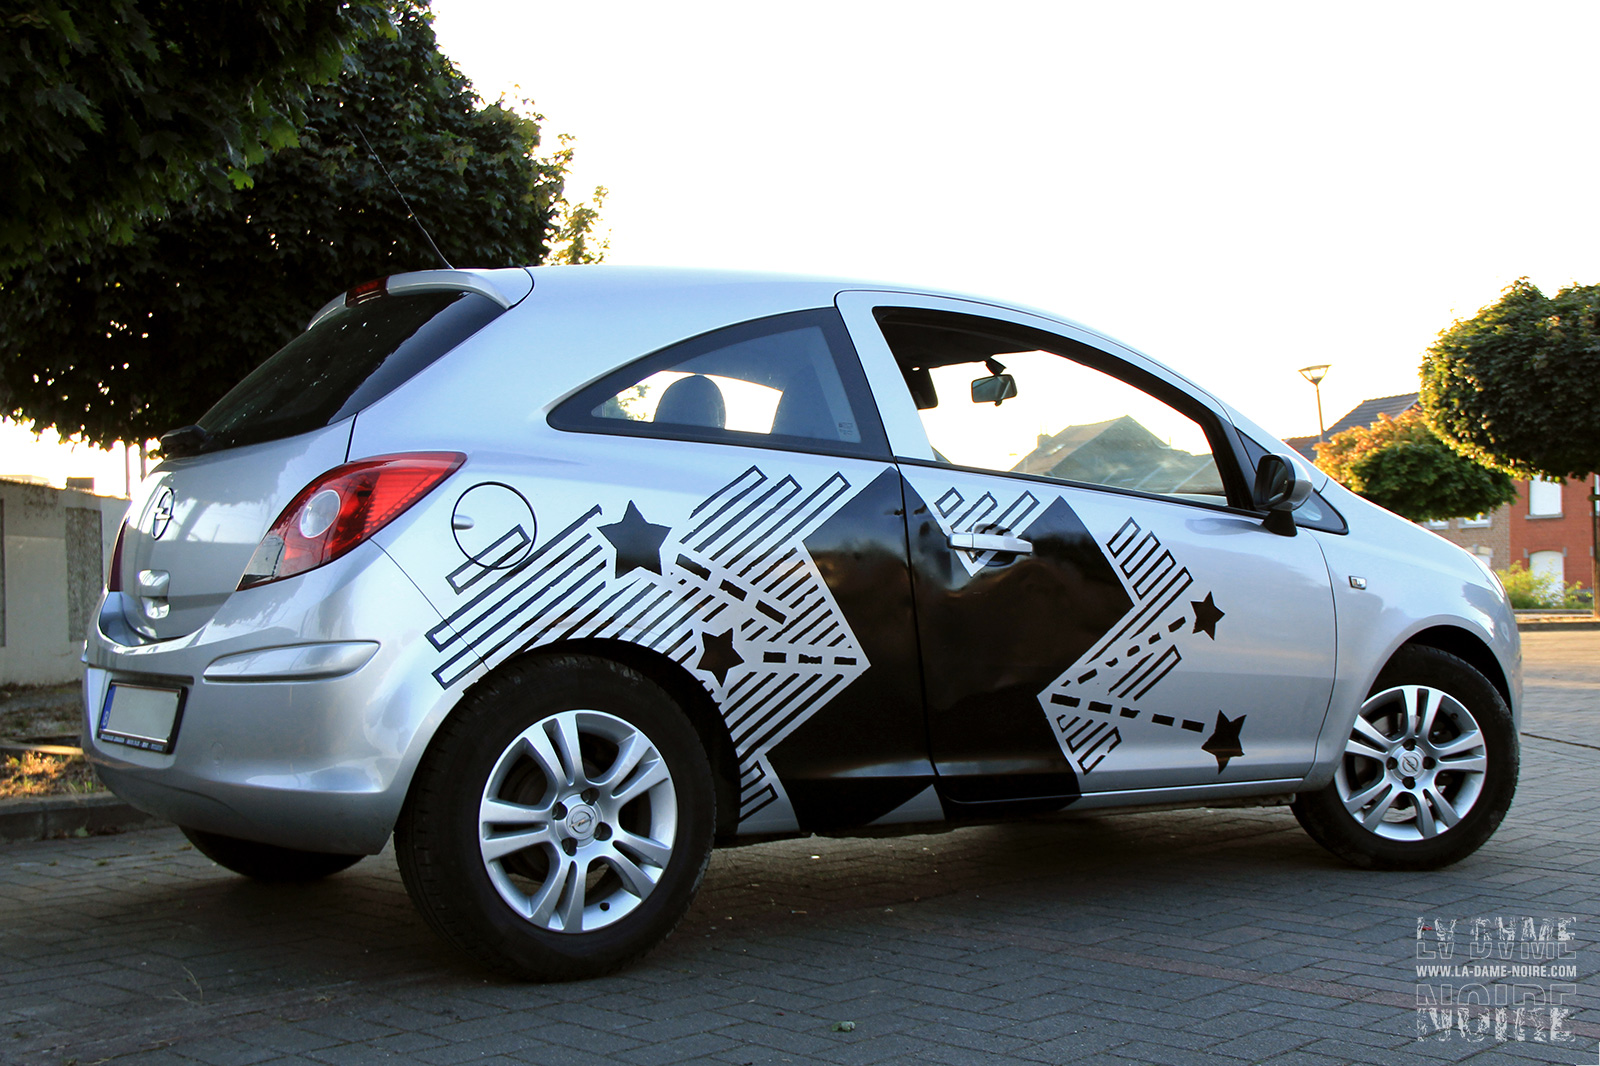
561	576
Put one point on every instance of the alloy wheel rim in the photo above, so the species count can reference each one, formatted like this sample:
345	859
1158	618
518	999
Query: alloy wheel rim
1414	765
577	821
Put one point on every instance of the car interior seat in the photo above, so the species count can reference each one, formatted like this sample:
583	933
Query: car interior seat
693	401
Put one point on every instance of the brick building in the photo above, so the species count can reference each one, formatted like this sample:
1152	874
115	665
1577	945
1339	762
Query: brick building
1547	529
1551	527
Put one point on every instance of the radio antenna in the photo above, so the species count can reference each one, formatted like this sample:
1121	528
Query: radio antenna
409	212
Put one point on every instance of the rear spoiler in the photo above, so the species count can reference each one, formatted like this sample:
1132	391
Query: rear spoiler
507	287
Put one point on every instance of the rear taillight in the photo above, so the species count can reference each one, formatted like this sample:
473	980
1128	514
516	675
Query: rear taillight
341	509
114	578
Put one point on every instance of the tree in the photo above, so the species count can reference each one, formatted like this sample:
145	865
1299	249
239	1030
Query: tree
125	342
112	109
1517	386
1401	464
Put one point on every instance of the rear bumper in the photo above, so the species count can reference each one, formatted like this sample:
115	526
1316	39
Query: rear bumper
307	705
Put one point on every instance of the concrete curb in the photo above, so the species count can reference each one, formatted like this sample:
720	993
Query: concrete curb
1556	625
39	818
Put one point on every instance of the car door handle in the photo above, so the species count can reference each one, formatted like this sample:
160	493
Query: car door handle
990	542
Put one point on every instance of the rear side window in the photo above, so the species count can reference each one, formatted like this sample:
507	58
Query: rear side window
790	381
347	361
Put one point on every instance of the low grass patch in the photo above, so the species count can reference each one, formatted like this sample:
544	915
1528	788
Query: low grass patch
34	712
30	773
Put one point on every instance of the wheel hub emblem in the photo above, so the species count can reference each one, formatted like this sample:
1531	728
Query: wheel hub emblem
161	517
581	821
1411	764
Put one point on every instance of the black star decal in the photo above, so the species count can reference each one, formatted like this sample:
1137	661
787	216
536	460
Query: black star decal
638	542
718	656
1224	740
1206	616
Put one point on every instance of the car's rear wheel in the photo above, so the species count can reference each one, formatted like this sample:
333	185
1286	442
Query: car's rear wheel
1428	770
561	821
267	862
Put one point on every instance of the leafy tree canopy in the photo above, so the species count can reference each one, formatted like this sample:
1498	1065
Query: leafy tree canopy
1401	464
111	109
1517	386
125	342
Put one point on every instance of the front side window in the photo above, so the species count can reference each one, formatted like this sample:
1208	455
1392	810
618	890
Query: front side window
787	381
996	397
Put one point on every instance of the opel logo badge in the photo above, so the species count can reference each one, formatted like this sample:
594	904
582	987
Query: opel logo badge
161	517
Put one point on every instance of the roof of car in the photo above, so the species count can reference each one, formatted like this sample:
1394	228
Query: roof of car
603	277
791	291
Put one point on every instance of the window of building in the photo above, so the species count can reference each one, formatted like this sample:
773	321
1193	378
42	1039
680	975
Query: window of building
1544	498
1550	564
1437	523
1477	521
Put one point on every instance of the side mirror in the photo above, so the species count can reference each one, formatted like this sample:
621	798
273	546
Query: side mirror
1279	490
994	388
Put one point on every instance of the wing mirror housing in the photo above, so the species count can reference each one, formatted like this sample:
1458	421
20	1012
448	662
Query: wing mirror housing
1279	490
994	389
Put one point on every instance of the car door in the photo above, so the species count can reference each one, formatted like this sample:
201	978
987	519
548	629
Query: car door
1099	608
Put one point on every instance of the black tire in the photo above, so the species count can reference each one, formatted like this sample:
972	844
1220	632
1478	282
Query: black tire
579	877
1469	757
267	862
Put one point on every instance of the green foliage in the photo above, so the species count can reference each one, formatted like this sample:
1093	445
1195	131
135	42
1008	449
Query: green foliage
571	242
125	342
111	109
1517	386
1401	464
1530	591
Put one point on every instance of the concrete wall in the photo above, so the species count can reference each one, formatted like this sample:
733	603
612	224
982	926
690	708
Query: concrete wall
56	551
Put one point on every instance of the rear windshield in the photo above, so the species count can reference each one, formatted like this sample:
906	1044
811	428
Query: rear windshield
348	360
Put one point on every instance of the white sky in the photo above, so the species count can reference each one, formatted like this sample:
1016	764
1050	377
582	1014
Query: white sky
1238	189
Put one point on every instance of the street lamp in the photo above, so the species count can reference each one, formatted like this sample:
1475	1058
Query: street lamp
1315	374
1594	549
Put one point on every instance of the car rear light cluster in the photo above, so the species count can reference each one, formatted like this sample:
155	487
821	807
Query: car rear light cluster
367	290
342	508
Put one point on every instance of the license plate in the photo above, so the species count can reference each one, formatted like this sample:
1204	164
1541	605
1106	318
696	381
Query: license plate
141	717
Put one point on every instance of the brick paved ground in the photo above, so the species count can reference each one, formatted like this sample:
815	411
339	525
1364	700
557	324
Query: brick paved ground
1194	938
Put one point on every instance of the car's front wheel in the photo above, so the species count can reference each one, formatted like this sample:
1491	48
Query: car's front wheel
561	821
1428	770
